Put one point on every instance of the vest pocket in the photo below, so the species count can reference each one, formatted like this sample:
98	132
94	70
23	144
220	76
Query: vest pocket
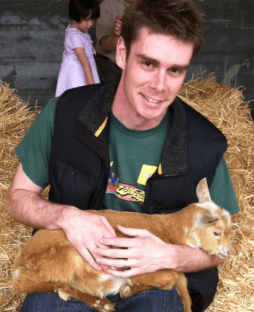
70	186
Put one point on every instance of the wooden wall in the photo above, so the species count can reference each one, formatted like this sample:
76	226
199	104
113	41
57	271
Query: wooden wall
32	37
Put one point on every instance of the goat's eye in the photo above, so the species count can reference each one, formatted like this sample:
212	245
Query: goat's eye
217	233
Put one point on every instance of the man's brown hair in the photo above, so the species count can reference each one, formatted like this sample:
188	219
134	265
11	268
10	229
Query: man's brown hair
179	18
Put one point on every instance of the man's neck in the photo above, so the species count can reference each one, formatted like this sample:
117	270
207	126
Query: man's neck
134	122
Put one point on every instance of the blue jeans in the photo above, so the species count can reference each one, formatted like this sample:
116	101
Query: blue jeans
147	301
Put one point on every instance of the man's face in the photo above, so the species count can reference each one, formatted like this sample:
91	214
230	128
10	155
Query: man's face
152	75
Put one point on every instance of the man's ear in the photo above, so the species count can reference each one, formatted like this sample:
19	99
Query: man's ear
121	53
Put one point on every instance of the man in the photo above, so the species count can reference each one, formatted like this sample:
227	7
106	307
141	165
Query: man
108	31
128	145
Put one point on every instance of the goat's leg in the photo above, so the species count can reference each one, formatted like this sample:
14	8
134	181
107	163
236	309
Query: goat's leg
28	283
163	279
181	287
66	292
127	290
30	286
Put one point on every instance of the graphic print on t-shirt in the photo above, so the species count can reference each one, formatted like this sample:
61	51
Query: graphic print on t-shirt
129	192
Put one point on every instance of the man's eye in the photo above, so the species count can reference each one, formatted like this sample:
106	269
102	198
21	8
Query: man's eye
147	64
175	70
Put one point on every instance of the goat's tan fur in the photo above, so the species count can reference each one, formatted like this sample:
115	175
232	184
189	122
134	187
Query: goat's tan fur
50	263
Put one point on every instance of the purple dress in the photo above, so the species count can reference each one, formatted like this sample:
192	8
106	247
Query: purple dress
71	74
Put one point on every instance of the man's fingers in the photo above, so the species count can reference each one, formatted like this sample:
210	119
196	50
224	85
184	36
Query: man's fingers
114	253
84	252
126	273
109	227
118	263
138	233
133	232
117	242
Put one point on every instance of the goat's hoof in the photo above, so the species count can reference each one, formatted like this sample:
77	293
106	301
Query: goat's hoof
104	305
125	291
63	295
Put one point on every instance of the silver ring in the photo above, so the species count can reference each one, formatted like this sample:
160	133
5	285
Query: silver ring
125	264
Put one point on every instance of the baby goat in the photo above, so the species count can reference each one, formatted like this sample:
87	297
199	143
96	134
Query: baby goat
49	262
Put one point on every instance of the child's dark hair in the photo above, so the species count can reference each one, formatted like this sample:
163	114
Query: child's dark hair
79	10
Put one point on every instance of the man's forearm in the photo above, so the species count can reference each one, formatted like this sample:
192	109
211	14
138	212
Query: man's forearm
83	229
108	43
187	259
32	210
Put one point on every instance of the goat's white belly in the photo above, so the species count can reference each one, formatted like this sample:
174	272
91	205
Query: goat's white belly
117	283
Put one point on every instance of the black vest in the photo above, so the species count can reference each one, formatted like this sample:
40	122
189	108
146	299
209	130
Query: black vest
79	165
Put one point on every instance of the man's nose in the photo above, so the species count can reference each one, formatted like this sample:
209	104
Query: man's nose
159	81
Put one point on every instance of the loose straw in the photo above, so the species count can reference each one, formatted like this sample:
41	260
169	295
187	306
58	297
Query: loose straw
226	108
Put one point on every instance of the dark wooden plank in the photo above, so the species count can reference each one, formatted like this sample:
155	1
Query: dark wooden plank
32	37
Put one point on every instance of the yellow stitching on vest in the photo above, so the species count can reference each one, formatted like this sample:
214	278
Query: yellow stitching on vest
159	169
99	131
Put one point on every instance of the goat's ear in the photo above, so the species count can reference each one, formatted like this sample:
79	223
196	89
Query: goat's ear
202	191
206	218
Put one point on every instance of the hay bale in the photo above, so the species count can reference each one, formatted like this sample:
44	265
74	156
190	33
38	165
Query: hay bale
222	105
226	109
15	118
13	236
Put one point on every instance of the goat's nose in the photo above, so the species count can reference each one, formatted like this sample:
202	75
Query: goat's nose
227	251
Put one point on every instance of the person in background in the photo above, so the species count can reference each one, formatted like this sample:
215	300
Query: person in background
129	145
78	66
108	31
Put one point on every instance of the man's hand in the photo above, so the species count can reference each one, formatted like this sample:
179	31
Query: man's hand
108	43
117	26
143	253
84	230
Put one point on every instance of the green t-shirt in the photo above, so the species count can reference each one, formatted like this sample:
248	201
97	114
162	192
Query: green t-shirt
134	157
127	182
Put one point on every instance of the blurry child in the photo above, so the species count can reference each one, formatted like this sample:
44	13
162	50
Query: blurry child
78	66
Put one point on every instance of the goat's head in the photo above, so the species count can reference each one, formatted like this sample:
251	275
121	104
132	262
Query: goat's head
211	228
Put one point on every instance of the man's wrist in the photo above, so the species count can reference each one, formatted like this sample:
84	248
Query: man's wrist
171	257
64	213
108	43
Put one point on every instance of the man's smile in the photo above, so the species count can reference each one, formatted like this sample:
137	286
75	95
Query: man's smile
150	99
